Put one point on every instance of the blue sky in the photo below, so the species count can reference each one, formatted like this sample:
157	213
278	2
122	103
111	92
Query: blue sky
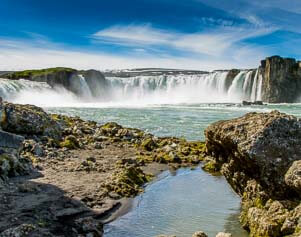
107	34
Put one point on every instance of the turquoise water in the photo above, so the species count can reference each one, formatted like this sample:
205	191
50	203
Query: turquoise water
187	121
186	201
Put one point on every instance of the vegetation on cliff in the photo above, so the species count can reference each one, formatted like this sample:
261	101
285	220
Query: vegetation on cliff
28	74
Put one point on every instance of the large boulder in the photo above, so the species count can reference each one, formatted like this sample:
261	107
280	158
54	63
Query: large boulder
259	154
29	120
262	146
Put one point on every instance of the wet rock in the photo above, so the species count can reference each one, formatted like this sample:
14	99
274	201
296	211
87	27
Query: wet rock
252	103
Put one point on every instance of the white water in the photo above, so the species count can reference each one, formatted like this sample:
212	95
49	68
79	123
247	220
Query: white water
84	87
37	93
254	87
259	88
140	90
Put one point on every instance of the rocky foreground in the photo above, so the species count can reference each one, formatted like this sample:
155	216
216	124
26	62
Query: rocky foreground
260	156
62	176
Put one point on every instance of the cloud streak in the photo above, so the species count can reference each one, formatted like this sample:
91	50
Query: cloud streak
211	42
19	55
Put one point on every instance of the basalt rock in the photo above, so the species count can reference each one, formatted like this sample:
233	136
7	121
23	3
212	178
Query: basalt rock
96	82
281	80
259	154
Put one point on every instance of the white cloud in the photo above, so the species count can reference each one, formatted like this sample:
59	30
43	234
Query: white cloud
19	55
218	48
213	42
136	34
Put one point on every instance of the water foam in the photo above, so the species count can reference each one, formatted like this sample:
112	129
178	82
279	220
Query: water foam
213	87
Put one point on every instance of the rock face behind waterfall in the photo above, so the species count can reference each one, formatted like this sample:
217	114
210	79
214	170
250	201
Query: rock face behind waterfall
281	80
259	154
67	78
96	81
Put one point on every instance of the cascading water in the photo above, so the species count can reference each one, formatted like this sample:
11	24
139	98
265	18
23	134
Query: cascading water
259	88
38	93
215	87
254	87
235	91
247	85
84	87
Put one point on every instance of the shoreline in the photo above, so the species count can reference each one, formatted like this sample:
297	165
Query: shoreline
64	176
89	168
126	206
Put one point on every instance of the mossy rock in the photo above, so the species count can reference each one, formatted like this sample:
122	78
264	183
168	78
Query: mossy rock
211	167
128	182
149	144
70	142
111	125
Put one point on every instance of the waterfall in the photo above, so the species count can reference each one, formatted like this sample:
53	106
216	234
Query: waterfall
84	88
215	87
247	85
39	93
170	88
259	88
10	88
254	87
236	90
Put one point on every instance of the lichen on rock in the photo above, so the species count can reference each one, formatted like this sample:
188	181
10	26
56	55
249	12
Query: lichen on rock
259	154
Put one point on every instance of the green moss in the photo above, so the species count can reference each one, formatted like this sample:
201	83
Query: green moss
110	125
128	182
148	144
70	142
27	74
259	203
211	167
298	229
69	121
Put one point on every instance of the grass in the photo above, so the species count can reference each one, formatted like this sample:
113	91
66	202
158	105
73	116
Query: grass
39	72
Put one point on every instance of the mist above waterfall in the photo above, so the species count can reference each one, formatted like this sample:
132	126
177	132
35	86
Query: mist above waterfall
214	87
